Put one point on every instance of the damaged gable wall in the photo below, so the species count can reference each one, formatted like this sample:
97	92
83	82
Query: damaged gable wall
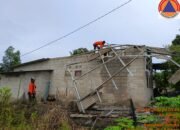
134	87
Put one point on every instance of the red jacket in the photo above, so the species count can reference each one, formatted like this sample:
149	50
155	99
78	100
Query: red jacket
32	88
99	43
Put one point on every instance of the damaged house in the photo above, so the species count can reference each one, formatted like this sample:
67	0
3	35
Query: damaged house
110	76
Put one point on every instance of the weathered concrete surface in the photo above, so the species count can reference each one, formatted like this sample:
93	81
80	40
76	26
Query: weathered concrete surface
18	83
134	87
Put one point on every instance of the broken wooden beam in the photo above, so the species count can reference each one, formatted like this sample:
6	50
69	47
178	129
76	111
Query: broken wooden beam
175	77
93	116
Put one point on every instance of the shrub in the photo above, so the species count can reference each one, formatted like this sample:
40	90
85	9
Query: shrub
5	95
122	123
167	102
6	114
148	119
10	117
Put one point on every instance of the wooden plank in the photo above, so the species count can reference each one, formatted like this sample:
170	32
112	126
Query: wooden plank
87	102
175	77
92	116
82	115
46	93
107	108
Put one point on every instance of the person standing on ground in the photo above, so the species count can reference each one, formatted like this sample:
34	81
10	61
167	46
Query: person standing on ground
32	90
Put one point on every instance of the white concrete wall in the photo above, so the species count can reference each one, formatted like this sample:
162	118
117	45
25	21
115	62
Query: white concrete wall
20	83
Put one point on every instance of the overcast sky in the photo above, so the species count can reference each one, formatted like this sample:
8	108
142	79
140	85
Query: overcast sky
28	24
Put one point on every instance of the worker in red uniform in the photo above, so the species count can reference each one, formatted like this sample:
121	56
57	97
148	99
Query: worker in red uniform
99	44
32	90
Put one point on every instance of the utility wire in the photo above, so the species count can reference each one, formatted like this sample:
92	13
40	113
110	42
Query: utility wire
78	29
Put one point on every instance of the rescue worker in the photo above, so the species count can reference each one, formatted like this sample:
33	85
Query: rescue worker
99	44
32	90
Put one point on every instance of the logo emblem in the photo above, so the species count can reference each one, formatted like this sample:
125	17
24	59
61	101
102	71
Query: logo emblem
169	8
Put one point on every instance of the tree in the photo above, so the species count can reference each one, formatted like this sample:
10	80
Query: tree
175	47
79	51
176	41
10	59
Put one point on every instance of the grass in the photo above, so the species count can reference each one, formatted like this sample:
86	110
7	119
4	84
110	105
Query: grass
25	115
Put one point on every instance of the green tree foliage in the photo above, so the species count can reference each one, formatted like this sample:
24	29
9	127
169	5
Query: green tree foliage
176	41
161	79
173	102
148	119
10	59
79	51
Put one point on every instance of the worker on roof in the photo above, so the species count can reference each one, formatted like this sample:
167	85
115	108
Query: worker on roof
32	90
99	44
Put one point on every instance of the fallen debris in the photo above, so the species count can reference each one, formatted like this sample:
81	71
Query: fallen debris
175	77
